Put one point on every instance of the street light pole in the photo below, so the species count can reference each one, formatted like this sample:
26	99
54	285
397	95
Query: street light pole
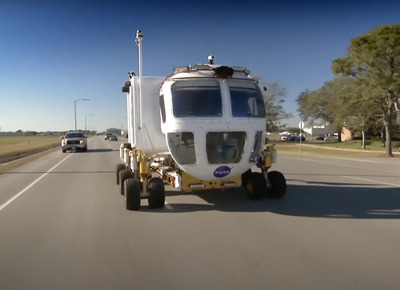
76	127
86	121
90	122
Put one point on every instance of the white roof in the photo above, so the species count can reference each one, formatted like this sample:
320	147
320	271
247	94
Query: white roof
206	71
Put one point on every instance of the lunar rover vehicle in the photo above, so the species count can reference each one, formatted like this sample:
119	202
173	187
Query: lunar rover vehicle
202	127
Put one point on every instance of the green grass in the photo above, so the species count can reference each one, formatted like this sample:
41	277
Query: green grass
14	147
292	148
370	145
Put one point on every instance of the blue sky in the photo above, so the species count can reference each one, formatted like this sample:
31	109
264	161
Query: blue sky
52	54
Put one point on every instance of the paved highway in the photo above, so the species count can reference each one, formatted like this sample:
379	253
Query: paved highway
63	226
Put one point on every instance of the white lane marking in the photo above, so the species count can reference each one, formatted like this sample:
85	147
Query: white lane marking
371	180
168	206
32	184
343	165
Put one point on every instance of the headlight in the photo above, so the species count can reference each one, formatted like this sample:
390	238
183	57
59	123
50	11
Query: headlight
82	142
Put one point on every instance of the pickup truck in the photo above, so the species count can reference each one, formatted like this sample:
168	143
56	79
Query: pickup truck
73	141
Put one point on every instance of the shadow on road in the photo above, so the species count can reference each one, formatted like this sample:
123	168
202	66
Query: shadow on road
338	200
98	150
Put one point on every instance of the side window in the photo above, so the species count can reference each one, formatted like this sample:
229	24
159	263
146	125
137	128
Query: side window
162	108
246	100
253	106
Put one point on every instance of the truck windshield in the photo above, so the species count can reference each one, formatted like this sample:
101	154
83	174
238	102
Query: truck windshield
196	98
246	99
74	135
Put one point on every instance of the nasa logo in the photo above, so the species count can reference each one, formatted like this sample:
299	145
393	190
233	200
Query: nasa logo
222	171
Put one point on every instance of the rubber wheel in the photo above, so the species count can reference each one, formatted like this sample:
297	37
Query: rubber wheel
278	184
64	151
124	174
156	193
118	168
132	194
245	177
84	149
256	187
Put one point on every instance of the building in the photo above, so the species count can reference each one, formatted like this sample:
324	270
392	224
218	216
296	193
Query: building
316	131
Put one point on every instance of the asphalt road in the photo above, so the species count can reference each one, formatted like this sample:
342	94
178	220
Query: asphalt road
63	226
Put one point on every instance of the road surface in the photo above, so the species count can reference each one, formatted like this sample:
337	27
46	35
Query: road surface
63	226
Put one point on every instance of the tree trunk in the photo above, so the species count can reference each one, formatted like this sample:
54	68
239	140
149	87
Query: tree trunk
388	129
339	137
383	141
363	140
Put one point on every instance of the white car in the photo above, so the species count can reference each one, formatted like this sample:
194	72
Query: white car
285	138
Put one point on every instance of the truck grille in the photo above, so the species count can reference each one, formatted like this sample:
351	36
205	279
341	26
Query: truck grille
72	142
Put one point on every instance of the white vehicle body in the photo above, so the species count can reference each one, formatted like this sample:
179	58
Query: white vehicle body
202	127
208	143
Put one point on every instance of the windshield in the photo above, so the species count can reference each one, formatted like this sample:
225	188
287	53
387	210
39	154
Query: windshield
246	99
74	135
199	98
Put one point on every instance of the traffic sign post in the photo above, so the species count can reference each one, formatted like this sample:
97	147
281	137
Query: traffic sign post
301	127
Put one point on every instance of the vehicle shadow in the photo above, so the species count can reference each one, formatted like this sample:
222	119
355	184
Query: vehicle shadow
99	150
332	200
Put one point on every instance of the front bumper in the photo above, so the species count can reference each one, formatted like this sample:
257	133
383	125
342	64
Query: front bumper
74	146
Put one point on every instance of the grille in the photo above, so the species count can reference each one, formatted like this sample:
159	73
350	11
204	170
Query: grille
72	142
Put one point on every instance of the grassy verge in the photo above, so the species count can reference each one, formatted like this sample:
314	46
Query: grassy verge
371	145
16	147
326	149
25	160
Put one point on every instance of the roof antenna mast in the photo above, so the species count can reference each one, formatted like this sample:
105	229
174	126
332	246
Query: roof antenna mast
138	40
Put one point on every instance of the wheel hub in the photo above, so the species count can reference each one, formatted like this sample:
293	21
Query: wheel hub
250	187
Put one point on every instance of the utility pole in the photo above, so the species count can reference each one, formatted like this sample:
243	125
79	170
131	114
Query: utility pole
86	121
76	127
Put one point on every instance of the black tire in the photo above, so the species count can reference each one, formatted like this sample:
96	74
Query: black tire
118	168
278	186
245	177
132	194
84	149
156	193
124	174
63	151
256	187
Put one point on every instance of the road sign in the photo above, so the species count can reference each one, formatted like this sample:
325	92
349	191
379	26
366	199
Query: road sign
301	125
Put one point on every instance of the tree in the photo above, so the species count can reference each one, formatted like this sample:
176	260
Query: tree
373	60
294	130
274	98
357	113
323	103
